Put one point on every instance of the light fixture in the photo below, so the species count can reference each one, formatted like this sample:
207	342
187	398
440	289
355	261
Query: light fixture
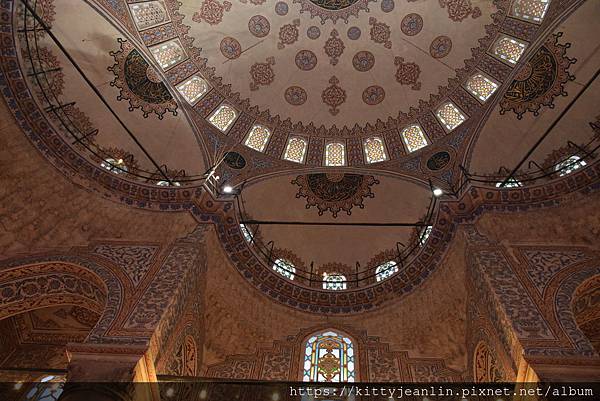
437	192
227	189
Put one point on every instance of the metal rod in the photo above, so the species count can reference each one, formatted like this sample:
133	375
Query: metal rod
312	223
550	128
92	86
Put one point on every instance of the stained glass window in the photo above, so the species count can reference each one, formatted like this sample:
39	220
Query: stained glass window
285	268
48	389
168	54
223	117
257	138
508	49
414	138
193	89
329	357
248	236
335	154
334	281
295	149
481	86
571	164
424	235
511	183
531	10
450	116
374	150
148	14
386	270
116	166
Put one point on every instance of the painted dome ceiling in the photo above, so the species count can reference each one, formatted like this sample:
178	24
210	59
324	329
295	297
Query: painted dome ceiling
342	63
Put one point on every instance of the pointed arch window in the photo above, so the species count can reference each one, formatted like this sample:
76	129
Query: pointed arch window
334	281
386	270
374	150
508	49
569	165
530	10
257	138
511	183
295	151
335	154
329	357
424	235
285	268
116	166
414	138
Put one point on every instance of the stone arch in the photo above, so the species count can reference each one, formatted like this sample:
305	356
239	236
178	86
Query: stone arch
564	307
53	280
586	309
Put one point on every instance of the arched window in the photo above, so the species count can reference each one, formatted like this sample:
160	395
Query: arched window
295	149
165	183
329	357
334	281
335	154
414	138
285	268
450	116
386	270
511	183
116	166
531	10
374	150
257	138
508	49
568	166
223	117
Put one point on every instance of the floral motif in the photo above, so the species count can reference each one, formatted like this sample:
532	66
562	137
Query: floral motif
259	26
288	34
139	83
440	47
262	73
334	47
306	60
230	48
333	10
373	95
295	95
211	11
458	10
335	192
313	32
333	96
363	61
407	73
380	33
412	24
540	79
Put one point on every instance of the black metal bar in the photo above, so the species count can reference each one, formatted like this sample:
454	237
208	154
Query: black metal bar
44	71
92	86
311	223
59	107
550	128
92	132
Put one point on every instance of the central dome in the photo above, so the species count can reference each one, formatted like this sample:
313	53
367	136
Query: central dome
342	63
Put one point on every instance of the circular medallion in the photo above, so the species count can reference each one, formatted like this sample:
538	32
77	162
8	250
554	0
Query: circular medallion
306	60
259	26
281	8
295	95
387	6
438	161
353	33
363	61
412	24
230	48
152	75
313	32
333	5
440	47
234	160
373	95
